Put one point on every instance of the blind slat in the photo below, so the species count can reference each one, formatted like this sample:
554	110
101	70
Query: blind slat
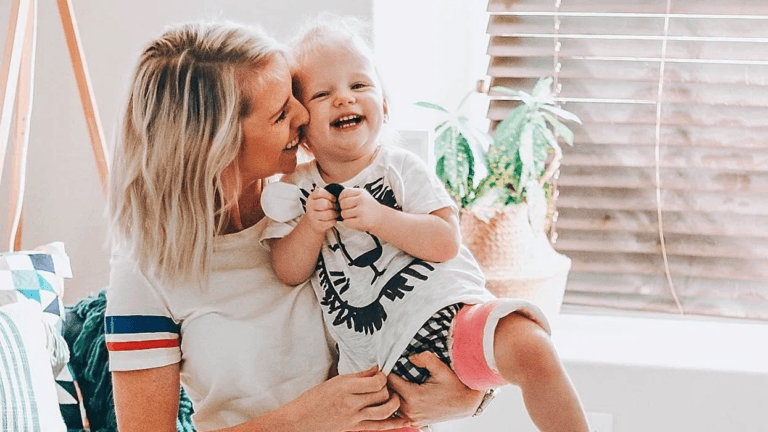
644	111
693	158
502	46
678	245
628	70
671	178
693	223
733	7
619	26
671	200
651	264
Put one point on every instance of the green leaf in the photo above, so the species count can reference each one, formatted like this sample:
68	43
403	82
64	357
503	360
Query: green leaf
508	131
561	130
443	141
562	113
543	89
431	105
506	90
527	99
477	139
526	150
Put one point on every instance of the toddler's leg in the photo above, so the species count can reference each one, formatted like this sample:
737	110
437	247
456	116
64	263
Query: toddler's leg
525	357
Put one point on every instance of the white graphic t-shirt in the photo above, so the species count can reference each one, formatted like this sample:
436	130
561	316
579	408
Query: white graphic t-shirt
375	297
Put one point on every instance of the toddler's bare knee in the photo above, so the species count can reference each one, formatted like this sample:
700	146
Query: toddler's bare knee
523	350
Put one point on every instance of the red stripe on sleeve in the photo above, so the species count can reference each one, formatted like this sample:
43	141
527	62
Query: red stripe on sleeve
142	345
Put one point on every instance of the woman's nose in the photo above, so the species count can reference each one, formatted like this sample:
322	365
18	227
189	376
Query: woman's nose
302	115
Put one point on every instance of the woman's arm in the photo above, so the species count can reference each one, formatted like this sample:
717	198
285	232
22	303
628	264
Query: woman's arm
149	400
443	397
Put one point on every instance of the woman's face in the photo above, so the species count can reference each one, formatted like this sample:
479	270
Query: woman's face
271	134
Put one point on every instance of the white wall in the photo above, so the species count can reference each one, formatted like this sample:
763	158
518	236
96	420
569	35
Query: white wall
435	52
64	200
643	399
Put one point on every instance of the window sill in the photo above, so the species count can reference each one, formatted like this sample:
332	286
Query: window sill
676	343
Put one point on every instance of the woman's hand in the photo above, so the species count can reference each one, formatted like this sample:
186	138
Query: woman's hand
443	397
358	401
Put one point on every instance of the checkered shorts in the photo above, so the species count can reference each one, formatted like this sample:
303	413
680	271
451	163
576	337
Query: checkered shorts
433	337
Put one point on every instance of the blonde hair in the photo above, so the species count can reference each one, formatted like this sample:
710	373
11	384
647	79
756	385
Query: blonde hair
180	129
328	29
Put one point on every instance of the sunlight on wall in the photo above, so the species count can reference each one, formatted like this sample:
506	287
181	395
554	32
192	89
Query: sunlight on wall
432	50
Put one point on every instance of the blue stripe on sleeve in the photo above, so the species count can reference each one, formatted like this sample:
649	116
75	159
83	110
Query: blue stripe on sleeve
140	324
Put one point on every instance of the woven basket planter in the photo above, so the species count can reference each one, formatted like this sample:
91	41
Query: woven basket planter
517	259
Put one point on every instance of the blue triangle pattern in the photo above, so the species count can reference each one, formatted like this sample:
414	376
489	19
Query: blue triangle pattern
25	279
44	285
53	308
42	262
31	294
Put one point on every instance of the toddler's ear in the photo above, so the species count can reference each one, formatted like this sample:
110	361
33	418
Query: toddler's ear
386	109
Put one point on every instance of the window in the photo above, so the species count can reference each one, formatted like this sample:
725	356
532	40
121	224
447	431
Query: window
663	200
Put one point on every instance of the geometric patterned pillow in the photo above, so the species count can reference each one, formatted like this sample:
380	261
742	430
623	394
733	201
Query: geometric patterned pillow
38	277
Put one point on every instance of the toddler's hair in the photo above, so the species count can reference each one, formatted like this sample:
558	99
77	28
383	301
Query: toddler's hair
328	29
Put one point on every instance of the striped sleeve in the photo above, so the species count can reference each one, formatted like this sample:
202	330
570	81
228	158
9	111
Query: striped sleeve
139	330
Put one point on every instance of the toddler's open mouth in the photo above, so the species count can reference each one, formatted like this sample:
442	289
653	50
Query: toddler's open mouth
347	121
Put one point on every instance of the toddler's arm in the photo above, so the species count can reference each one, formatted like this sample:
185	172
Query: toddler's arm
432	237
294	256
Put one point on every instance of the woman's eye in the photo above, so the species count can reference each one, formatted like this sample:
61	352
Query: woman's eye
282	116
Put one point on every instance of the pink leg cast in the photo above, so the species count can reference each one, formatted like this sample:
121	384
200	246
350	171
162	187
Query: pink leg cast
468	355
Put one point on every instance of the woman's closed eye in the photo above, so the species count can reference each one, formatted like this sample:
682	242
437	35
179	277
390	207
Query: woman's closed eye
283	115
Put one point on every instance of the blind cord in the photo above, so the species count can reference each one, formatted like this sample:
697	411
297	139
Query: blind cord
658	159
557	87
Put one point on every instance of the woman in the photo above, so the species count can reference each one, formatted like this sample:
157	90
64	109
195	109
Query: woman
192	297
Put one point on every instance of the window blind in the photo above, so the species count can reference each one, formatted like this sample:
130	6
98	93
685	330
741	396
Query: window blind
662	203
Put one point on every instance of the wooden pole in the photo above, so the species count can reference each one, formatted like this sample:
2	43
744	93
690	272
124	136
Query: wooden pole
86	92
22	126
9	75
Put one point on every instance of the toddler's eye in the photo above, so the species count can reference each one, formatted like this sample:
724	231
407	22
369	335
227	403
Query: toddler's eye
319	95
282	116
357	86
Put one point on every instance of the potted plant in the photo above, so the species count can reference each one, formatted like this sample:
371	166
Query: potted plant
499	184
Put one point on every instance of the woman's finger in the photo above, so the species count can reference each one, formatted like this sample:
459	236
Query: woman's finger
429	361
382	411
377	398
399	385
368	384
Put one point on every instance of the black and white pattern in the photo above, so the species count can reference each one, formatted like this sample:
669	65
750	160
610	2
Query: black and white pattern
374	296
433	337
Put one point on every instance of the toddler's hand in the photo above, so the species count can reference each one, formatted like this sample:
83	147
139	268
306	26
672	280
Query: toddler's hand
321	214
359	209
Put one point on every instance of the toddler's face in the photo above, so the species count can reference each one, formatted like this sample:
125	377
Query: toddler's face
340	88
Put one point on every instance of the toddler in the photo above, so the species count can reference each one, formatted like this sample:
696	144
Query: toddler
378	236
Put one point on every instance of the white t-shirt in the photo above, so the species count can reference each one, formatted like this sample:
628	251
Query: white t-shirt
248	343
374	296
